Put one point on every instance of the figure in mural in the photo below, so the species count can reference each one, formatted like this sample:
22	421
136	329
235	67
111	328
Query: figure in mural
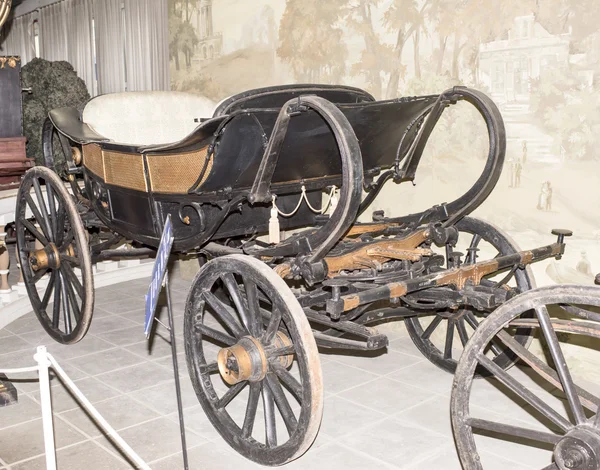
545	197
511	173
518	169
584	266
524	159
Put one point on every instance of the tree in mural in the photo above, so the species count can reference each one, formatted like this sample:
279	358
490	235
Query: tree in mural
401	18
311	40
182	36
565	98
375	57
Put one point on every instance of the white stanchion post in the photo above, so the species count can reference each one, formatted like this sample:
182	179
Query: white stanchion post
41	358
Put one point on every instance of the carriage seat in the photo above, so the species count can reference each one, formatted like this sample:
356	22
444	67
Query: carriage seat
147	117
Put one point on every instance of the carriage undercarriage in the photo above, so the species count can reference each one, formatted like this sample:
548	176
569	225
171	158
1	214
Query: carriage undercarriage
257	311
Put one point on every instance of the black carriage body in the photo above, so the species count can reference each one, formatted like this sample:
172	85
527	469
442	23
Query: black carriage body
237	136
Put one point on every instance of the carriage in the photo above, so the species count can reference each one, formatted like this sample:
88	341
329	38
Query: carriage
263	161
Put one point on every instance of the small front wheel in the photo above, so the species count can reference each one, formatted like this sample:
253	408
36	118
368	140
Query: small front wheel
253	360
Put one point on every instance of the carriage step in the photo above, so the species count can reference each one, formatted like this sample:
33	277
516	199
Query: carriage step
8	392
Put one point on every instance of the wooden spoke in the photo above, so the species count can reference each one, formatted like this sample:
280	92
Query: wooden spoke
272	327
590	401
38	275
509	430
72	278
65	306
432	326
37	215
291	423
560	364
56	310
254	310
251	409
462	331
269	411
234	291
216	335
224	313
35	232
524	393
73	299
42	207
285	351
230	394
211	368
48	292
69	259
449	340
288	380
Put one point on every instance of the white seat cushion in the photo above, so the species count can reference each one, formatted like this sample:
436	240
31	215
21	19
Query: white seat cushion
147	117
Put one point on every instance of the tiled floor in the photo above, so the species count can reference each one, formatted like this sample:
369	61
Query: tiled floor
386	412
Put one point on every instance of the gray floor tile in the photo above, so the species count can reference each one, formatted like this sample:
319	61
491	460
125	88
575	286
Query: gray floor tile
93	389
195	419
26	409
159	347
433	414
396	443
163	398
405	345
26	324
386	395
124	336
426	376
338	377
334	456
136	316
105	361
156	439
109	323
220	456
120	412
383	363
86	455
136	377
26	440
14	343
446	460
124	304
91	344
341	416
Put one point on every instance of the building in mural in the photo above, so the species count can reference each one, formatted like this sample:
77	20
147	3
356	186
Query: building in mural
507	66
210	44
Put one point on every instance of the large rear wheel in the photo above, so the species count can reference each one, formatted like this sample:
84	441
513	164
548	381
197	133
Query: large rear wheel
54	255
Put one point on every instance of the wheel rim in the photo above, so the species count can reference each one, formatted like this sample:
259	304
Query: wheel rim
264	401
567	410
52	247
455	328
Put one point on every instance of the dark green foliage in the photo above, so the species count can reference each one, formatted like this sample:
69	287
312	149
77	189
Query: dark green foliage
54	85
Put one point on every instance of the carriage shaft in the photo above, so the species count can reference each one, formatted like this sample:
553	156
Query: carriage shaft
458	277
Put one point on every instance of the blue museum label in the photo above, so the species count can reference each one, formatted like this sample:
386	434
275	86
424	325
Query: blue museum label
158	274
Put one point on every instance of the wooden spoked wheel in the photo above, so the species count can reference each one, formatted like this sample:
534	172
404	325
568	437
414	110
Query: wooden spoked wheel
438	336
555	388
253	360
54	256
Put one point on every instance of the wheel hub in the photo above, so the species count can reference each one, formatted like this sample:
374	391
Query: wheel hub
245	360
282	341
47	257
578	450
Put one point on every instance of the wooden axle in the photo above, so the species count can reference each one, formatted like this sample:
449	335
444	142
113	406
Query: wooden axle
459	277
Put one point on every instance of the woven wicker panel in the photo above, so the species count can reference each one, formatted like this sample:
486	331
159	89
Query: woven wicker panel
175	174
92	159
125	170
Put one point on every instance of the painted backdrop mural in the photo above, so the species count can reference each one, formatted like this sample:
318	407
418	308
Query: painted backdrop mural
539	60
